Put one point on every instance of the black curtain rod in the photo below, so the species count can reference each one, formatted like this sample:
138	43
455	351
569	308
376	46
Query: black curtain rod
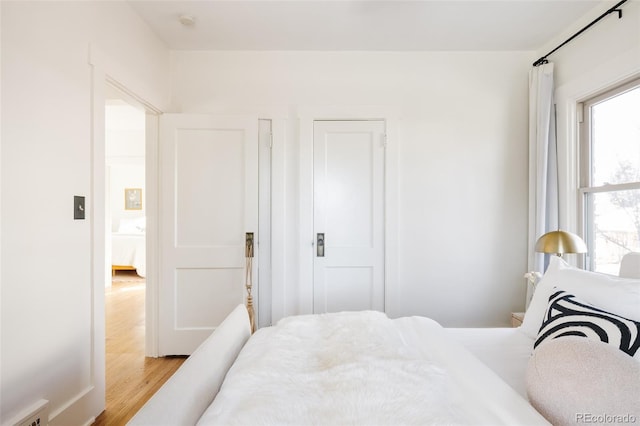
616	8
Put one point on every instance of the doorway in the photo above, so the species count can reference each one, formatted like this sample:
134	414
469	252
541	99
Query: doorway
125	203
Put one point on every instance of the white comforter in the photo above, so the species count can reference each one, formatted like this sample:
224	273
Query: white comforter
362	368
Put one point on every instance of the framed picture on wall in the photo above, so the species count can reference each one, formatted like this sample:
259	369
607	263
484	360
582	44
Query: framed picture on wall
133	198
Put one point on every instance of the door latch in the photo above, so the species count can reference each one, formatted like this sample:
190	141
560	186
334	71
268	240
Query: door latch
248	244
320	244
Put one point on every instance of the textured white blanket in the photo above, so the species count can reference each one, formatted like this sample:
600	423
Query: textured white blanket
350	368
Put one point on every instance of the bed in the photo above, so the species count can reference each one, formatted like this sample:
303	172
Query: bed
128	246
506	351
365	368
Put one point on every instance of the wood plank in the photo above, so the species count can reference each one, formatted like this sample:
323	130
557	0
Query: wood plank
131	378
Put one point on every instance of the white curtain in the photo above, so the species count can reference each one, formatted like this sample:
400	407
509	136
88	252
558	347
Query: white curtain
543	176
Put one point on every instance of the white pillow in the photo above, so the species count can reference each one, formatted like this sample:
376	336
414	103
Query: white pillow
617	295
135	225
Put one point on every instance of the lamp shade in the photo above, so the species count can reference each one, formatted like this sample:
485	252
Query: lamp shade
560	242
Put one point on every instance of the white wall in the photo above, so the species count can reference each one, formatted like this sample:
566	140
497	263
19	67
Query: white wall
605	56
124	128
48	309
462	159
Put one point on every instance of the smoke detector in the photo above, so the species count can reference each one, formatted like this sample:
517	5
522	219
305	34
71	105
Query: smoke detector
187	20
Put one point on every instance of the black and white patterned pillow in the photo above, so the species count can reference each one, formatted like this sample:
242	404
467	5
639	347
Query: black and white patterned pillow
568	316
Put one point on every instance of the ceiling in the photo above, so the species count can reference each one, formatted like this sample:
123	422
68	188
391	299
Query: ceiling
390	25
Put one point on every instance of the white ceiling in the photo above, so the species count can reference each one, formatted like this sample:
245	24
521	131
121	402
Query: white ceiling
391	25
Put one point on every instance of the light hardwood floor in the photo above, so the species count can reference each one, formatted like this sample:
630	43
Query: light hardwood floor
131	378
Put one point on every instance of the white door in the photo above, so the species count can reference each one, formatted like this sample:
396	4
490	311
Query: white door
348	215
208	201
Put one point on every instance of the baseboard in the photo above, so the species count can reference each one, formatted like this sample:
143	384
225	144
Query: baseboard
80	410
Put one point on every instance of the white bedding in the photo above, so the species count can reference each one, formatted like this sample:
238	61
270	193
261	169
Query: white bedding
362	368
506	351
129	250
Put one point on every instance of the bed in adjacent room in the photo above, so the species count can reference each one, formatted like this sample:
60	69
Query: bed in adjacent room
365	368
128	246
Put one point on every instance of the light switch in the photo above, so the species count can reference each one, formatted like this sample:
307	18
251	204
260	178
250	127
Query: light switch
78	207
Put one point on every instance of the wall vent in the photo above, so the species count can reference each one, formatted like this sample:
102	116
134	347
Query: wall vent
35	415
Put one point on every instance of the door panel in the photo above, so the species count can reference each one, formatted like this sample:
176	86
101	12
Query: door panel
349	199
349	289
209	199
205	157
195	288
349	211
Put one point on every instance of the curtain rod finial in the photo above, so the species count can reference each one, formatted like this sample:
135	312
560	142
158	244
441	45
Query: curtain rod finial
541	61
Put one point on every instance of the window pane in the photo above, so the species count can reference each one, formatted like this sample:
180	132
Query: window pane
615	228
616	139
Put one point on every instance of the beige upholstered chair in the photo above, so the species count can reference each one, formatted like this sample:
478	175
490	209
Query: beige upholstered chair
630	265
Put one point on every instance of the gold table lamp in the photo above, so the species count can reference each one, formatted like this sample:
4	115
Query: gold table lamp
560	242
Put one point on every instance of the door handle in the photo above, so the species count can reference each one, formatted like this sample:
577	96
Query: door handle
248	244
320	244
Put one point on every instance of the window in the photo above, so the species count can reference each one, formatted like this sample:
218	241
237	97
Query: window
610	176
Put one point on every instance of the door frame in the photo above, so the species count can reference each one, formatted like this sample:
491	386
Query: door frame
263	293
306	118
